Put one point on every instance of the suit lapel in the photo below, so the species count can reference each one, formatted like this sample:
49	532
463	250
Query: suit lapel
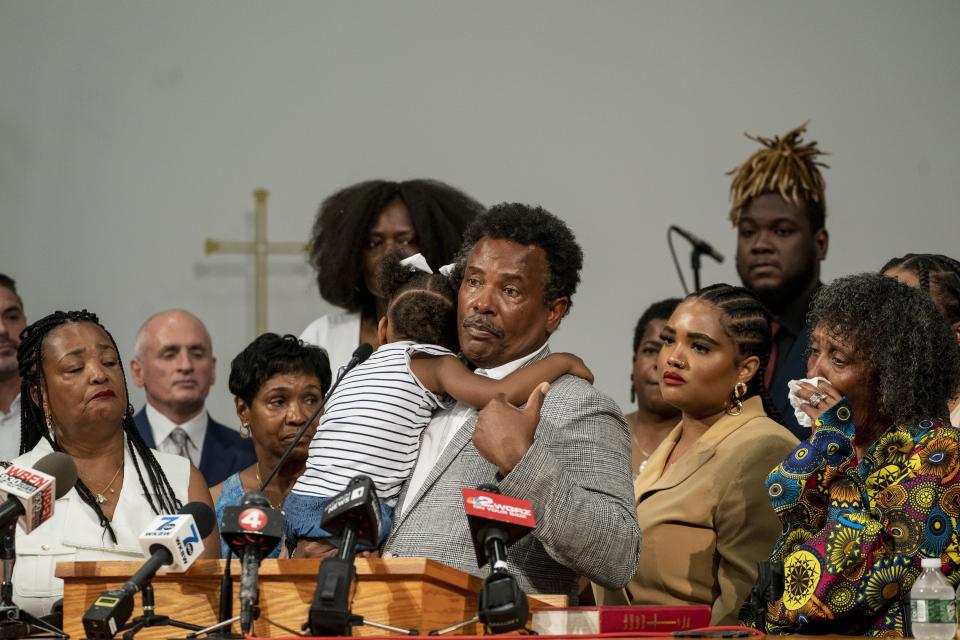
654	478
450	453
454	447
143	426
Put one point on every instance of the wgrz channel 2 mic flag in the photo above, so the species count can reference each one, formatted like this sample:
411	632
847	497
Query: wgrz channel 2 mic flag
171	541
29	493
512	518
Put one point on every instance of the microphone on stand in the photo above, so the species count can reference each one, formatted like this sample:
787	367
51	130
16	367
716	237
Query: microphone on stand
702	246
353	515
28	493
496	522
251	530
172	541
360	354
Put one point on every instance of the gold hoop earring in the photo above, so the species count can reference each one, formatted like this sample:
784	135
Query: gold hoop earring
244	430
736	407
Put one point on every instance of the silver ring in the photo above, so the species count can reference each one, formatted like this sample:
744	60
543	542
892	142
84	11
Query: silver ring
816	399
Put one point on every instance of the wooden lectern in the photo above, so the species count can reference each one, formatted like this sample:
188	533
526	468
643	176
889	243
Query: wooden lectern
413	593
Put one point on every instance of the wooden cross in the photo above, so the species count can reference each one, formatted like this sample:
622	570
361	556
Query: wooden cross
260	248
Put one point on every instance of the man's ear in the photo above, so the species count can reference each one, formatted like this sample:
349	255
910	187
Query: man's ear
136	372
821	241
555	312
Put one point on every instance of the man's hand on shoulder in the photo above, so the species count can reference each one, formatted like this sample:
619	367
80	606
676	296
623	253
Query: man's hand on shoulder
504	433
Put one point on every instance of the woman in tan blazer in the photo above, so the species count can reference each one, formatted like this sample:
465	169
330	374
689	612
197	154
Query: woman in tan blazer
701	502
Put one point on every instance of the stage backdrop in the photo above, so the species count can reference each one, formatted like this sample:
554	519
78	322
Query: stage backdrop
130	131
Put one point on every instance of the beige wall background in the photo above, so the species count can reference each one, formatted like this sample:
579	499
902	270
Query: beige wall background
130	131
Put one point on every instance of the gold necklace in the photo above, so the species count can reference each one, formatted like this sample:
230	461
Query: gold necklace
260	482
100	498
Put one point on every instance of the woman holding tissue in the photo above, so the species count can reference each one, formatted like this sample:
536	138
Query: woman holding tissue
877	486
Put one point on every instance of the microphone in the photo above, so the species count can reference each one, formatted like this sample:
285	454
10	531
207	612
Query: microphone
496	522
360	354
354	516
252	530
28	494
173	541
700	245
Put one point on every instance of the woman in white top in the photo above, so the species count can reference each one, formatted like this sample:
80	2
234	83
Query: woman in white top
354	229
75	401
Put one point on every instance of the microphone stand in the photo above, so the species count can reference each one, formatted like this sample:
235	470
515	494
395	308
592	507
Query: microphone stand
152	619
14	621
354	361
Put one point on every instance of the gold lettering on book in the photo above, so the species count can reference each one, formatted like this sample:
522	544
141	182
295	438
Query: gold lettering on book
639	621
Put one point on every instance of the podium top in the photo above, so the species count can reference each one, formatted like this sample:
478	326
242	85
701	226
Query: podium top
383	568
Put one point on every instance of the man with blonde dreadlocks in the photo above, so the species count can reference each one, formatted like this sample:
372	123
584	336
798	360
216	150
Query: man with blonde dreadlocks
779	209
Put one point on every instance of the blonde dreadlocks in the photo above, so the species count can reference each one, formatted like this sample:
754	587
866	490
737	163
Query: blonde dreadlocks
785	166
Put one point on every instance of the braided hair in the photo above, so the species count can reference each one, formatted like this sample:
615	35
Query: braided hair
422	306
747	321
939	276
34	420
784	166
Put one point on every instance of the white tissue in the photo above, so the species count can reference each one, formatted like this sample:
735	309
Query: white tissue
796	402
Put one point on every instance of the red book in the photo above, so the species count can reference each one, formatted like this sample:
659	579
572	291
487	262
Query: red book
592	620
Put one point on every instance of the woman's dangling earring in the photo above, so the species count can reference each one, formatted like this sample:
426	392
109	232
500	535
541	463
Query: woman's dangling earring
736	407
633	391
244	430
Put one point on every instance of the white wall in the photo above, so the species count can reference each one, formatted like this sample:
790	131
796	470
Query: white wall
130	131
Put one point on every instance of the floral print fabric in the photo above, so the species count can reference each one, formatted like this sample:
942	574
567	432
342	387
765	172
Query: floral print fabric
854	532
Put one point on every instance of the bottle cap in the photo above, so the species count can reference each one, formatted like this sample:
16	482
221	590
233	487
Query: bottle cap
930	563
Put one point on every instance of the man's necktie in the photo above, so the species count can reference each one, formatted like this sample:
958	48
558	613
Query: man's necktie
772	362
180	439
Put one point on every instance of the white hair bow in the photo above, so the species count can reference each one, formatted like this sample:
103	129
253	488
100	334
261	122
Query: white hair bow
417	262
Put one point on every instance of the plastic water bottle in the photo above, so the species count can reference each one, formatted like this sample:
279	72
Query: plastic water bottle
933	612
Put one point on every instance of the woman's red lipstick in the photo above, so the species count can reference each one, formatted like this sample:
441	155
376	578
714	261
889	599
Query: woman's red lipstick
672	378
106	393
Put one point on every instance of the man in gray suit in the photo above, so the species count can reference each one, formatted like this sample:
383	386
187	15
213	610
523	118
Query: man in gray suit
519	268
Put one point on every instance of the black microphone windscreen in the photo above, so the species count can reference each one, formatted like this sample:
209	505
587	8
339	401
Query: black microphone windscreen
203	516
255	499
60	466
491	488
362	352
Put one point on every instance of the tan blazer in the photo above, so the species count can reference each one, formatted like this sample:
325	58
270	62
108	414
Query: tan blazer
706	521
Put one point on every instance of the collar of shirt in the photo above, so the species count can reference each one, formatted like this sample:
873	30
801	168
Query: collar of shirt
10	432
501	372
14	410
794	316
196	429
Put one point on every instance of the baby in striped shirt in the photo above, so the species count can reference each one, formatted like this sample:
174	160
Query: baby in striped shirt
373	421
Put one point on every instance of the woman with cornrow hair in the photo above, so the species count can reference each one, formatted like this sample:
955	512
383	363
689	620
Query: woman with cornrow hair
939	276
76	401
701	496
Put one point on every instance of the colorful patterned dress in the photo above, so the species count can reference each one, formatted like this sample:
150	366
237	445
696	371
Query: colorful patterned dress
854	532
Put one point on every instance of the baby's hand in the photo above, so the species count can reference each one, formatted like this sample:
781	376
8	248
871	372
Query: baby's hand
576	367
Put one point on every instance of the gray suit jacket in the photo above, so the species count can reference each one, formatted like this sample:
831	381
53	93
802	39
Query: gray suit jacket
577	476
